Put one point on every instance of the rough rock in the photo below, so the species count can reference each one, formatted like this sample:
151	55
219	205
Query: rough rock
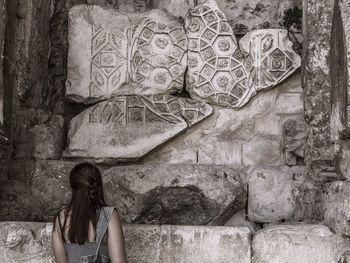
30	242
128	127
104	54
219	72
50	179
336	201
298	243
47	141
26	242
272	193
17	202
294	140
175	194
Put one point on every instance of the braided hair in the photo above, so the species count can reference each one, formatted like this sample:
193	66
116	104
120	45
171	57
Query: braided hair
86	202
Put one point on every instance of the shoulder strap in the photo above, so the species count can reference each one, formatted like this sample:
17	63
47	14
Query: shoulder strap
102	224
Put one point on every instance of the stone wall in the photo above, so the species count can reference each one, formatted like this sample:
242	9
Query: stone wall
29	242
265	128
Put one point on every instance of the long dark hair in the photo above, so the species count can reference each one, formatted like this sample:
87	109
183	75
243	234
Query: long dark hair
86	202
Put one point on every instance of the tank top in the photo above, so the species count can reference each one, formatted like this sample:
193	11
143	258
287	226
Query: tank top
86	253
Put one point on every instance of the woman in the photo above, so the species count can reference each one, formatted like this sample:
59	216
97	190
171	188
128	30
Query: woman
87	226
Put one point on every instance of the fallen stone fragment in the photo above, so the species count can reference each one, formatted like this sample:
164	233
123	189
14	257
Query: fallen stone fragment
220	72
128	127
108	49
298	243
175	194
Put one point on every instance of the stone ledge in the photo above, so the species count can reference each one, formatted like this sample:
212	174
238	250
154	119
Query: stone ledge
30	242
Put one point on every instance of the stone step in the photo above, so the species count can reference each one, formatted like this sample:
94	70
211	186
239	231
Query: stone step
30	242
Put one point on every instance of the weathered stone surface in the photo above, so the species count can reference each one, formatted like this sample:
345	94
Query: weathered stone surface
47	141
272	194
30	242
51	181
316	84
345	18
219	139
261	152
294	140
105	54
17	202
217	244
343	163
298	243
26	242
175	194
243	16
128	127
336	202
2	41
219	72
32	47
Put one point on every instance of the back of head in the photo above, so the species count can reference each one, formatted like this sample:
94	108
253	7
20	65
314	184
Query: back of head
87	200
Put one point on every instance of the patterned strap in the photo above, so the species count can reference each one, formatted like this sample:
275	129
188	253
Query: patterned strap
102	225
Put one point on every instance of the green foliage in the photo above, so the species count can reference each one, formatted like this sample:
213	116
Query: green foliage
293	17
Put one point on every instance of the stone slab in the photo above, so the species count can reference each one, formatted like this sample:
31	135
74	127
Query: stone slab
271	196
220	72
298	243
128	127
31	243
175	194
108	49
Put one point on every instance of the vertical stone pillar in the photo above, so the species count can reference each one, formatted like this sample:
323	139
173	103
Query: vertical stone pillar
344	7
339	78
3	140
2	41
317	25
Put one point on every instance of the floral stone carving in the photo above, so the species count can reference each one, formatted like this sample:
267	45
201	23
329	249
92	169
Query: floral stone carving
128	127
225	72
108	49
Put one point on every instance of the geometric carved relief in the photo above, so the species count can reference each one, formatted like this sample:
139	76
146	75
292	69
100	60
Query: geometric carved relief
128	127
158	56
108	49
221	72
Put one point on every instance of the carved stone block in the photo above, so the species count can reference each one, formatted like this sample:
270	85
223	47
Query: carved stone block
128	127
222	73
298	243
109	49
